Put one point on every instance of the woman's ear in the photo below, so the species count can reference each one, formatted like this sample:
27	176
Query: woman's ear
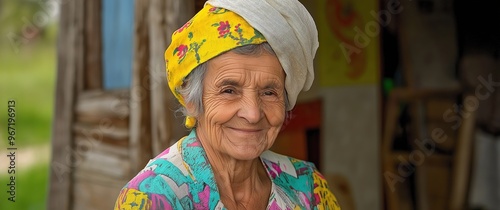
190	108
190	118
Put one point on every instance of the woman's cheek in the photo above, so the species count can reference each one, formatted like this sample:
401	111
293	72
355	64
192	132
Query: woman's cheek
275	113
217	110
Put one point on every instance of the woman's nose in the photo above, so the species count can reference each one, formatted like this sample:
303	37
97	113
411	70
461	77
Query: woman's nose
251	109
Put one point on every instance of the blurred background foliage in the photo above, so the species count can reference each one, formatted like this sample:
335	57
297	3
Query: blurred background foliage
28	33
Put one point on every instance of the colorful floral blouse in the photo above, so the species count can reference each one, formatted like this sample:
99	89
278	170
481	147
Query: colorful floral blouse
182	178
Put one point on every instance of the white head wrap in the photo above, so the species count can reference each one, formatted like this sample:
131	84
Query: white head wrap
290	30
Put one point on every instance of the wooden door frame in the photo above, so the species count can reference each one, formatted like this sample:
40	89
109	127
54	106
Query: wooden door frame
152	126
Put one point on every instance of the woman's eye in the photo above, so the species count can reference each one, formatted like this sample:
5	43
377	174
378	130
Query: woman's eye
229	91
269	93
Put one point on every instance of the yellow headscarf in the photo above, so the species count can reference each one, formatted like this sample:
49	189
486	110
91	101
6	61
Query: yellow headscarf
211	32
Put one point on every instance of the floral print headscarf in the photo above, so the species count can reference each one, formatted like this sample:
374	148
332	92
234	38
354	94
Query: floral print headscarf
209	33
223	25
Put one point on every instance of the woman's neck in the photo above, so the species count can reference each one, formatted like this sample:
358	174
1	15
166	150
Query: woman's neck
240	182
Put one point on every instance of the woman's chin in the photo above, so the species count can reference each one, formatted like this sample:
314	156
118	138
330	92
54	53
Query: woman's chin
245	153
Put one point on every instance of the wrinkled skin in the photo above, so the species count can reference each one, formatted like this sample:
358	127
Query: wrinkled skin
244	109
244	106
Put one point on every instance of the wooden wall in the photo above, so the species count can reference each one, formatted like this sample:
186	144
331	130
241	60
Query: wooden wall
101	141
102	138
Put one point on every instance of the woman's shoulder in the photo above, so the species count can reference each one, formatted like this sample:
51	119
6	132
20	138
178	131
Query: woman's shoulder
294	176
163	177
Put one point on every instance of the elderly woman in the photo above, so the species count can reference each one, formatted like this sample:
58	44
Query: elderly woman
236	67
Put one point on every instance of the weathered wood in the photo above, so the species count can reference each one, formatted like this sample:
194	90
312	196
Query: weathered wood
161	119
140	100
62	162
461	172
79	45
98	107
93	45
85	143
110	135
82	174
165	17
97	161
69	64
442	179
428	46
94	194
392	113
96	119
176	16
435	184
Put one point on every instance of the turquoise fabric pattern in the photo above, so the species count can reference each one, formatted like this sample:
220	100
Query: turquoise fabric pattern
181	178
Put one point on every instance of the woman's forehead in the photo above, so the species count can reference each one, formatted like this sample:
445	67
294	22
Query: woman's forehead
238	68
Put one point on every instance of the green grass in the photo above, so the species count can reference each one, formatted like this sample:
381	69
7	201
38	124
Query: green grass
31	189
28	77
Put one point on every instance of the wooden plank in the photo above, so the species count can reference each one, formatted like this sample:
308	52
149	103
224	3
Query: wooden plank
79	45
177	15
85	143
165	127
69	51
392	114
81	174
98	162
98	107
93	45
161	120
436	108
451	135
96	119
427	43
110	135
461	172
414	97
433	159
95	195
436	186
140	100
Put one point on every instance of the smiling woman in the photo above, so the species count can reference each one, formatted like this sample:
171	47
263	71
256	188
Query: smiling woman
236	76
244	105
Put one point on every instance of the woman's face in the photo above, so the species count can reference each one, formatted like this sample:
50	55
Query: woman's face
244	104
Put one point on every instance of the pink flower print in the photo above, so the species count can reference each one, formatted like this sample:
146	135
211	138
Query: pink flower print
274	206
217	10
181	51
274	169
224	28
213	9
183	27
204	197
159	201
237	28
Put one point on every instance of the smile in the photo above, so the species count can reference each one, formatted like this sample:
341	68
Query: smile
246	130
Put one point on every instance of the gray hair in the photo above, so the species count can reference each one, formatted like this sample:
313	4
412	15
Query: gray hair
192	88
